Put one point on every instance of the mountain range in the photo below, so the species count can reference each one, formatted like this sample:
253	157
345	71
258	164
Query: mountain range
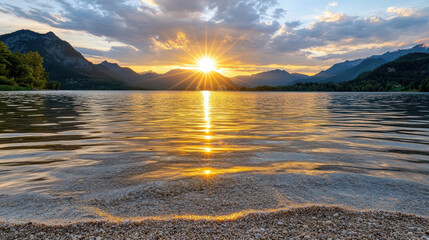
349	70
340	72
63	63
67	66
271	78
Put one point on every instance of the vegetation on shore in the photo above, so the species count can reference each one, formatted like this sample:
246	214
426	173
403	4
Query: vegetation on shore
407	73
23	71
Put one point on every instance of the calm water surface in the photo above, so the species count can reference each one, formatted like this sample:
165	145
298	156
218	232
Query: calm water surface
182	134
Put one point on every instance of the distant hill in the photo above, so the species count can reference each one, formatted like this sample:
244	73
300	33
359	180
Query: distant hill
407	73
176	79
335	70
351	73
349	70
340	72
67	66
63	63
124	74
184	79
271	78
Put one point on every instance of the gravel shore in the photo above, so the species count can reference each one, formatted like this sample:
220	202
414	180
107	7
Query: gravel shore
302	223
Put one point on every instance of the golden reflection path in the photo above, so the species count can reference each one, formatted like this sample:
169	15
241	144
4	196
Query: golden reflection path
207	137
178	171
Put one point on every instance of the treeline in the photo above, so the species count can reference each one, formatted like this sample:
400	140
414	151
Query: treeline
407	73
23	71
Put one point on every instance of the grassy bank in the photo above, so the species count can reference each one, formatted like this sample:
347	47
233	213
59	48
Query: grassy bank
13	88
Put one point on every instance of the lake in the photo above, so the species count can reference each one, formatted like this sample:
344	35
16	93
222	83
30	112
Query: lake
73	155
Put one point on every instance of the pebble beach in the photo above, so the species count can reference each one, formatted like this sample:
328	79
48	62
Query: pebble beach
301	223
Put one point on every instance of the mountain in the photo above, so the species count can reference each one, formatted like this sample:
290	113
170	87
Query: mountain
340	72
349	70
390	56
67	66
406	73
336	69
184	79
176	79
63	63
270	78
351	73
124	74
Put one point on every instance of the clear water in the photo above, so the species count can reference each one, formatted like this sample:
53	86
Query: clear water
179	135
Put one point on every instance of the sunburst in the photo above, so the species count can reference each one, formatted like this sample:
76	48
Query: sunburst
207	62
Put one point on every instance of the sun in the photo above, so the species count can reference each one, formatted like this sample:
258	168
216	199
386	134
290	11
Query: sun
206	64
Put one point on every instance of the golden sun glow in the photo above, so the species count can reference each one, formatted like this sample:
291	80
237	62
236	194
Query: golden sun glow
206	64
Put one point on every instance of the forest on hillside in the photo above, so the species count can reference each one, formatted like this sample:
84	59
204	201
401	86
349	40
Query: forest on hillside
20	71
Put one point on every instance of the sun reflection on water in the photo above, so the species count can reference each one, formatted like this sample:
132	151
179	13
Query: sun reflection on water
206	95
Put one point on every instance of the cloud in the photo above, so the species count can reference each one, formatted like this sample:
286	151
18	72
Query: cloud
403	12
181	6
333	4
329	16
340	29
279	13
168	32
293	24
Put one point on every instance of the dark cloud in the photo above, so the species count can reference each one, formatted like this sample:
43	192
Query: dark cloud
279	13
293	24
356	30
181	6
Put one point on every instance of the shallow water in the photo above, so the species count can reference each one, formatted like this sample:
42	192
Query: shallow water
168	136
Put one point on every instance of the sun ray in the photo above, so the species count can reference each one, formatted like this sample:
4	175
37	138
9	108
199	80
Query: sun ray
211	82
177	84
194	80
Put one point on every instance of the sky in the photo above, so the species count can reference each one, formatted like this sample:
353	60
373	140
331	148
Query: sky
243	37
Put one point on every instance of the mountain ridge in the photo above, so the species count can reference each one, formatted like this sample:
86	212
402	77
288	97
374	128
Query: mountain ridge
339	72
349	72
69	67
62	61
275	77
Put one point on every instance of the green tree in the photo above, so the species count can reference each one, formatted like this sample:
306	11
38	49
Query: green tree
23	70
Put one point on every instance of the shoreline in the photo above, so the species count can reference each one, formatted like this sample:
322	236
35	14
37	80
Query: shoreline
322	222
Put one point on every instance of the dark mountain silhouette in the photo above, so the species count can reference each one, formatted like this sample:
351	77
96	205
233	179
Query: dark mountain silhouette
63	63
270	78
336	69
339	72
407	73
67	66
125	74
349	70
184	79
177	79
351	73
